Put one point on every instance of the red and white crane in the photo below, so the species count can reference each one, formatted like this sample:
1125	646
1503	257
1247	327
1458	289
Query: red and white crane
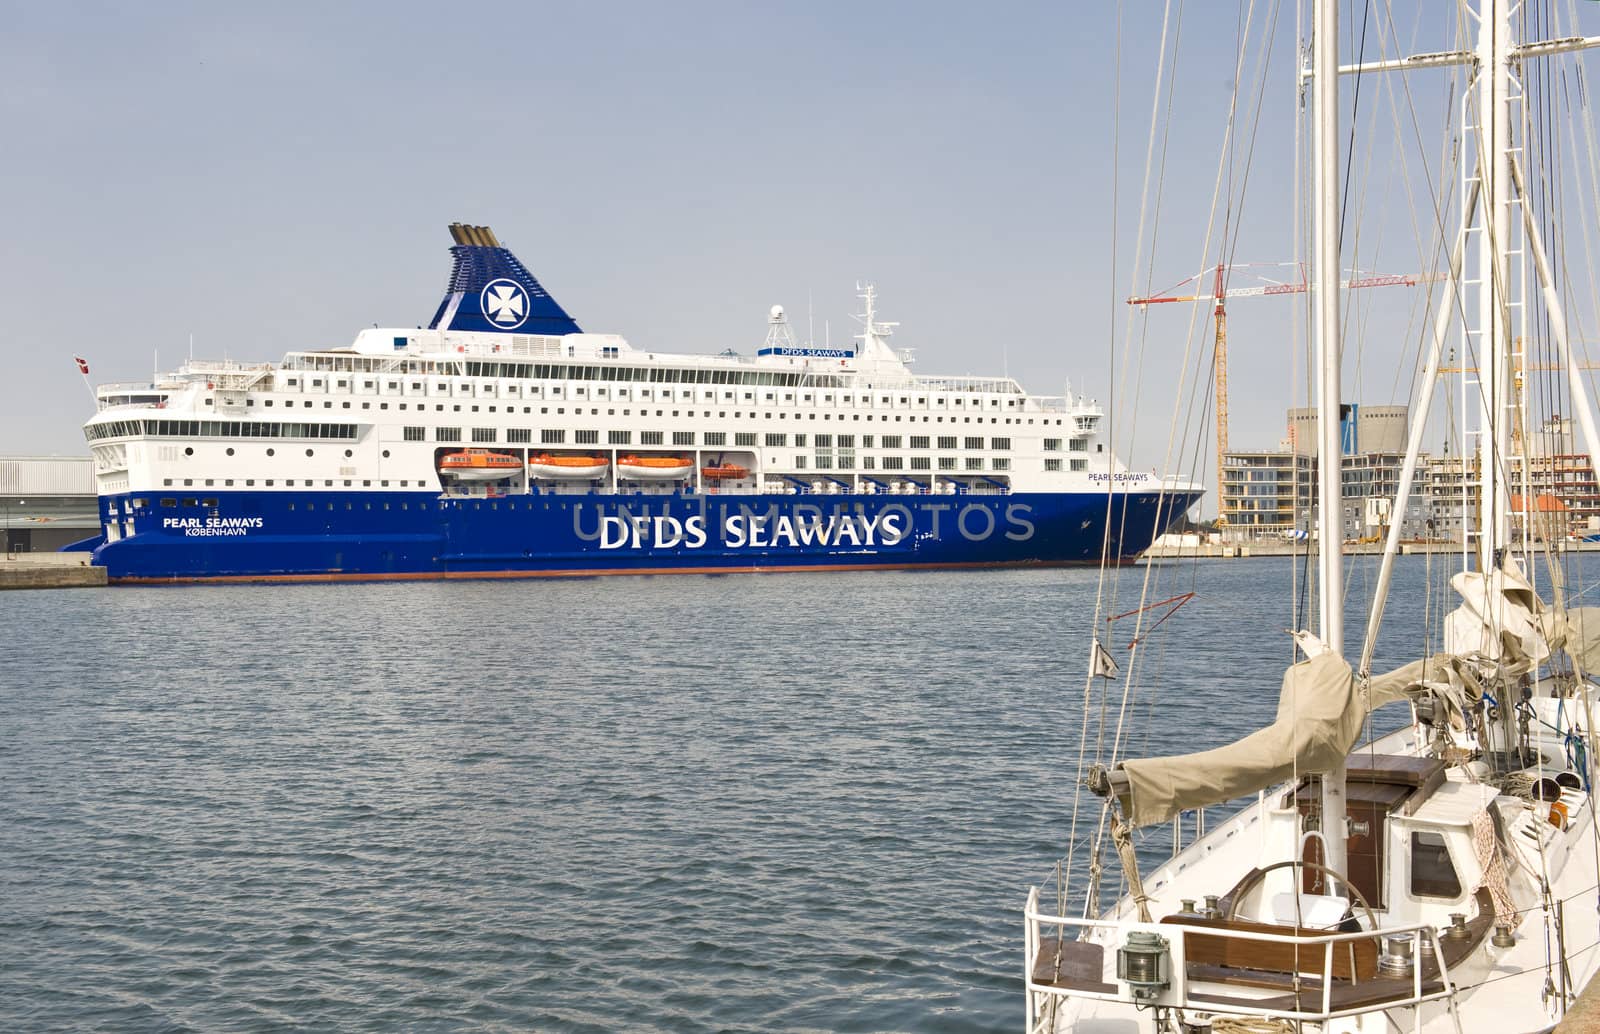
1220	293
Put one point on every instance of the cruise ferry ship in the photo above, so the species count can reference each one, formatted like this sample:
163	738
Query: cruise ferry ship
504	441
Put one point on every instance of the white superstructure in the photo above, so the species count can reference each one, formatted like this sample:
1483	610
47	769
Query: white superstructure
375	414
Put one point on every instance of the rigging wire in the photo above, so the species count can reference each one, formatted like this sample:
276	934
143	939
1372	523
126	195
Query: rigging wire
1150	171
1111	427
1176	427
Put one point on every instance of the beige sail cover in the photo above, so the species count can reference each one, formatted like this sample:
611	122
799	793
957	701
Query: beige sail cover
1499	616
1322	706
1318	721
1576	630
1321	711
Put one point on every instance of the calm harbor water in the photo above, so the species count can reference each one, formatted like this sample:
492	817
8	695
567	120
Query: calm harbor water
744	803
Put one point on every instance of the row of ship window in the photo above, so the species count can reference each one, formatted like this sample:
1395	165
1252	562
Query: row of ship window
123	428
516	435
287	483
847	461
670	375
218	429
999	464
1084	424
719	439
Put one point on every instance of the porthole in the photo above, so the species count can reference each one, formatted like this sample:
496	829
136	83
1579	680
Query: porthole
230	452
348	454
310	452
271	452
386	454
189	451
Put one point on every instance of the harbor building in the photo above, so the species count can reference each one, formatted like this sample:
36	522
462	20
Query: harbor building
1272	493
46	502
1259	490
1560	472
1363	430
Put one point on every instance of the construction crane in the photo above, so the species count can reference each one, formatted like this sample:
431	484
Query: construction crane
1220	294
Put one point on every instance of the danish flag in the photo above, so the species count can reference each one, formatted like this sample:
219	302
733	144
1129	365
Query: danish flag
83	364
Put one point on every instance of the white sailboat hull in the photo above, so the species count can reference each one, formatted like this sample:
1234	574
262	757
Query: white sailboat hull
1494	989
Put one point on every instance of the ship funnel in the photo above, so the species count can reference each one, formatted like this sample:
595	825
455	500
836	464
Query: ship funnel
490	290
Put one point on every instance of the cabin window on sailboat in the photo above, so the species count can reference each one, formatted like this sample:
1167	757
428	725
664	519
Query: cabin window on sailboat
1433	875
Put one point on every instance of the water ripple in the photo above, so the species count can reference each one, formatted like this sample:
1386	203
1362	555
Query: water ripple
800	803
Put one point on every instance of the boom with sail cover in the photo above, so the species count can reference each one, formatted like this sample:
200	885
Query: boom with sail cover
1323	704
1322	710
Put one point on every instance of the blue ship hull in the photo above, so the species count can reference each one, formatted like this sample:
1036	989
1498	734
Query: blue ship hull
258	536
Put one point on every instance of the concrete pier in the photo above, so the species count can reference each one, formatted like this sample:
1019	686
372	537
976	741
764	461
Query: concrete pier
1234	550
49	571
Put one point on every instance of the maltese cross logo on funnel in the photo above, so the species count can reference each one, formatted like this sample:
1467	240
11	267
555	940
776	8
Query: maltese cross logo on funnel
505	303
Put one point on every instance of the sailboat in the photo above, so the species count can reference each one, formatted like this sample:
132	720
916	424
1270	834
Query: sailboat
1442	877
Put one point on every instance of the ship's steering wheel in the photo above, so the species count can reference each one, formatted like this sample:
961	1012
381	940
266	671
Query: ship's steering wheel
1249	883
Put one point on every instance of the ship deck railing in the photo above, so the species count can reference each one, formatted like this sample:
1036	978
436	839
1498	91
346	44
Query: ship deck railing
213	366
847	378
127	387
1077	958
454	491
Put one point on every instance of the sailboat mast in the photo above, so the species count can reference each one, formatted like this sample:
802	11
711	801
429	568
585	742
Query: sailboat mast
1330	516
1493	146
1325	237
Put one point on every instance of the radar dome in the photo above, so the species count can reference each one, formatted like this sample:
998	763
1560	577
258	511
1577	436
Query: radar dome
777	313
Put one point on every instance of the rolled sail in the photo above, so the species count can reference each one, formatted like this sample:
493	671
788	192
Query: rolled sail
1576	630
1322	709
1318	721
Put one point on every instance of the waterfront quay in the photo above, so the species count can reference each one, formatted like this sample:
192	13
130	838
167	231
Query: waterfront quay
1241	550
49	571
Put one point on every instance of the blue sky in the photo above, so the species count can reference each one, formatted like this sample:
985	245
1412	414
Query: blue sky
271	177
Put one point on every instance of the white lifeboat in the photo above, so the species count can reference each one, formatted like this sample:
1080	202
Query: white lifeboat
479	465
567	467
654	468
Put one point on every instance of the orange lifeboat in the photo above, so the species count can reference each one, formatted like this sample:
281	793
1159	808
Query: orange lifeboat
654	468
724	472
569	467
479	465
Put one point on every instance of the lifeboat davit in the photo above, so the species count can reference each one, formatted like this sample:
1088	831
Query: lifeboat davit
724	472
570	467
479	465
654	468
